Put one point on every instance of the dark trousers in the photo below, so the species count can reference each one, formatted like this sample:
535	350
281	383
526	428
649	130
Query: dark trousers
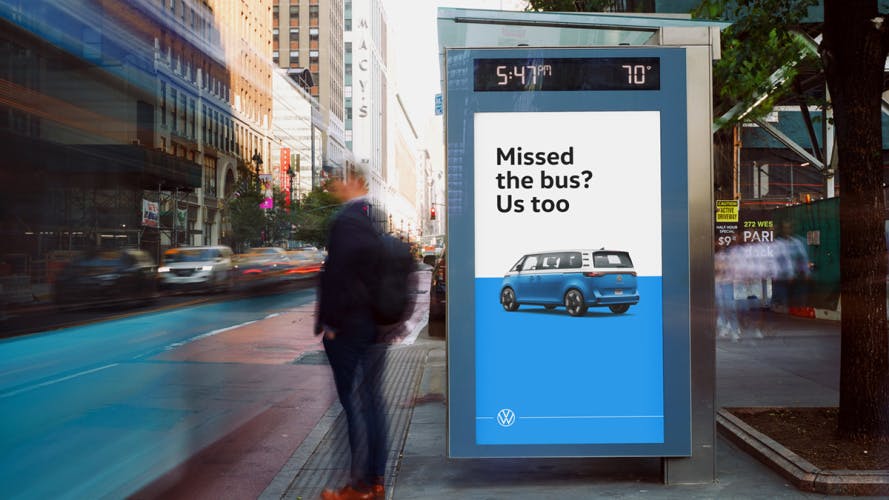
358	364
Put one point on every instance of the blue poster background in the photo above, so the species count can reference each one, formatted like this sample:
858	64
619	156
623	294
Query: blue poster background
603	377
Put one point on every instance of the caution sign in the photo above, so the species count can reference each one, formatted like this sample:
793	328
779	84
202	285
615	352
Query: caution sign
727	210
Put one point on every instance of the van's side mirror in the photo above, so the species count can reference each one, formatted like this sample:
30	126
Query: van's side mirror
518	267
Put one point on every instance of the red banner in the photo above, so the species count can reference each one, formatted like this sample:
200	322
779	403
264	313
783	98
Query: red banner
284	179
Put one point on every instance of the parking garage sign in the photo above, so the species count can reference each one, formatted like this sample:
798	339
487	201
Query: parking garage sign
568	214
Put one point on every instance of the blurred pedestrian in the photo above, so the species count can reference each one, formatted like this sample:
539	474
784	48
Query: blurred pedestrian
345	318
727	314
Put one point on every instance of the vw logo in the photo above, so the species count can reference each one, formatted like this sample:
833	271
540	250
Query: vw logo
506	417
620	277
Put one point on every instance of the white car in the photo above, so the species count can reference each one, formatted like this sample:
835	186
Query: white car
204	268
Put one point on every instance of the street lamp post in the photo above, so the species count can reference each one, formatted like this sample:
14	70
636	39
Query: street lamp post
257	163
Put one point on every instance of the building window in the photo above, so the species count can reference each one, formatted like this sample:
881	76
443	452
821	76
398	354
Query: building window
191	118
173	101
183	113
294	11
229	136
294	54
275	32
210	172
163	105
313	54
294	32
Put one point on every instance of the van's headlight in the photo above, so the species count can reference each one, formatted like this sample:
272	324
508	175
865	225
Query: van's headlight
163	269
206	268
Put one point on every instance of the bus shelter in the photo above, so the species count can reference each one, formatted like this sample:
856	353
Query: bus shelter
579	202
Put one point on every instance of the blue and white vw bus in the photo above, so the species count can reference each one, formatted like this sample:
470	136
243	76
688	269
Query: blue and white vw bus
576	279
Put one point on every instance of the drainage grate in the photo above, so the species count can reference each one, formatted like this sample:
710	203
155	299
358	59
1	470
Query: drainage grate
311	358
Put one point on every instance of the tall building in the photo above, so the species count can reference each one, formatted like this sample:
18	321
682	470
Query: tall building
368	97
215	82
127	123
294	129
308	34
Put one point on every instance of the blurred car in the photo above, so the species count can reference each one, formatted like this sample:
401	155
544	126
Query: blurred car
309	252
204	268
262	266
107	277
431	254
305	263
438	297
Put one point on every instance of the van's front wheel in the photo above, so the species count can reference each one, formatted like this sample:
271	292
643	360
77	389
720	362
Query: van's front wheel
619	308
574	303
507	298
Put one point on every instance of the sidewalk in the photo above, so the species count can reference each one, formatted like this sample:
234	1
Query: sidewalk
795	363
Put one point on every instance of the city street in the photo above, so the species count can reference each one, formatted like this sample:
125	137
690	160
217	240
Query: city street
647	245
216	395
109	406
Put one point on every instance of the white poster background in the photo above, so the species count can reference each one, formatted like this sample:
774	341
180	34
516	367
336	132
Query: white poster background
620	210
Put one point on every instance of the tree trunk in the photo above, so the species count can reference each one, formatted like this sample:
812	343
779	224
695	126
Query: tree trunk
853	53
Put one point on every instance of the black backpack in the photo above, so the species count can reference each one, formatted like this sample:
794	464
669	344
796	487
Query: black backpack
391	299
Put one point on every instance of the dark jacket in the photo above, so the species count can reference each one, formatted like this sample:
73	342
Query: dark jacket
353	247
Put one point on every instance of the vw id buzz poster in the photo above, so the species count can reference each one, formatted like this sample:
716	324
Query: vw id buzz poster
569	328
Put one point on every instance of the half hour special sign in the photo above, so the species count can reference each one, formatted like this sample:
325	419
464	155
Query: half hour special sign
567	192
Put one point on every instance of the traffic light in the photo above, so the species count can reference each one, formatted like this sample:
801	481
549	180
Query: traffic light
432	213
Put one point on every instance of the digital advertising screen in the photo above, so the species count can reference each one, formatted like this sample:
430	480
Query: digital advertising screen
568	325
581	210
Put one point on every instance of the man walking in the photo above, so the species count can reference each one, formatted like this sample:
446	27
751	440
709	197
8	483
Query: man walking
345	318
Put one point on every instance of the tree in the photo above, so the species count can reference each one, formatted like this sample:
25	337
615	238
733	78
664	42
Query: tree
856	42
760	54
313	216
854	50
255	226
246	218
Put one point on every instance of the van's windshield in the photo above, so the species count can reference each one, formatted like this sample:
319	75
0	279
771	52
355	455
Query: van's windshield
612	260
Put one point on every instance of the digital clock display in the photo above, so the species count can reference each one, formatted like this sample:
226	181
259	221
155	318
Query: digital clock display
567	74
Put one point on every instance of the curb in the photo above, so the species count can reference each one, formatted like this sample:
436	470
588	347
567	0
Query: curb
802	474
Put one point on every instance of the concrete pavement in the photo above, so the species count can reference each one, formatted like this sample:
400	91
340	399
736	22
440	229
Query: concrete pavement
794	363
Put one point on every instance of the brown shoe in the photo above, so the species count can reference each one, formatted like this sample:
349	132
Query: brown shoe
379	492
347	493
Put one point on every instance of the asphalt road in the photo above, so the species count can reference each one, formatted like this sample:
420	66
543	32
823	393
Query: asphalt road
44	315
104	407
